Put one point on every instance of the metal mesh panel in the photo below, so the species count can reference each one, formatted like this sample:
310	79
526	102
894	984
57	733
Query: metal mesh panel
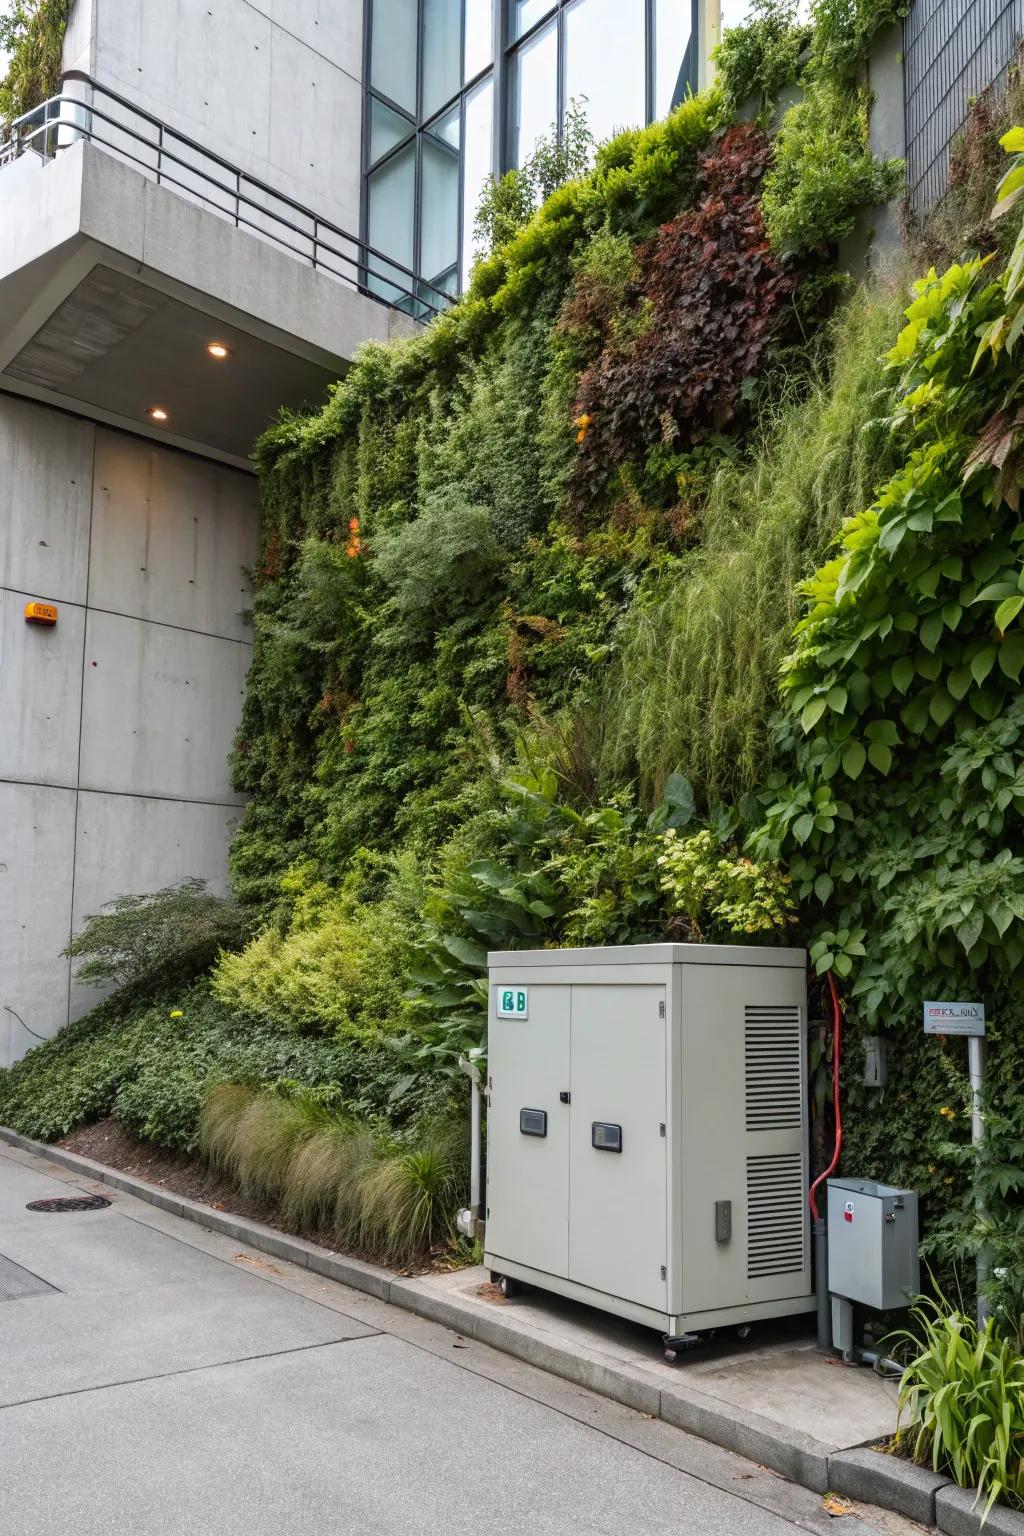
953	49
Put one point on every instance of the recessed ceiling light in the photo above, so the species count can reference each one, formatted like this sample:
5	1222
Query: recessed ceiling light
218	349
157	413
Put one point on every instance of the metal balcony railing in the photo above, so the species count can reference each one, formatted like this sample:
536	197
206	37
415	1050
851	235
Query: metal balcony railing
91	111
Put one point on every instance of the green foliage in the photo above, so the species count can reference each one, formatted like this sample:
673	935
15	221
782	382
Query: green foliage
962	1397
723	897
759	58
695	682
904	686
844	30
506	204
338	962
157	941
824	172
150	1067
335	1176
32	33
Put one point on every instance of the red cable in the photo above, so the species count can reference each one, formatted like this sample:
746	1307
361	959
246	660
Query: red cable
836	1038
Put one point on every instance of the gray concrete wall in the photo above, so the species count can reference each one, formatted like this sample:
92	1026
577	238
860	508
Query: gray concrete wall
116	723
273	86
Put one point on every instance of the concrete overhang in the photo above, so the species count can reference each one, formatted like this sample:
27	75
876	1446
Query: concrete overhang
111	286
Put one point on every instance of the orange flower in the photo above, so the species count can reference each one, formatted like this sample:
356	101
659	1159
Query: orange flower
584	423
353	525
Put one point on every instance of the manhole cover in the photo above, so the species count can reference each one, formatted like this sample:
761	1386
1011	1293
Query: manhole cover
69	1203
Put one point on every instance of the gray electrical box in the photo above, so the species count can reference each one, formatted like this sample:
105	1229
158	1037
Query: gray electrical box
872	1243
669	1182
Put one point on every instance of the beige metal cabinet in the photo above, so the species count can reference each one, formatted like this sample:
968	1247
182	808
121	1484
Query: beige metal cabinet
647	1130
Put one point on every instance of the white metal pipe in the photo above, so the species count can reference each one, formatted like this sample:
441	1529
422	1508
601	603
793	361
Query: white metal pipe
976	1069
474	1149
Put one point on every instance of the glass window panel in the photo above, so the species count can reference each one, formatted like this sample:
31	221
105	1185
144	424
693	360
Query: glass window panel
673	23
605	62
442	52
535	97
439	210
389	225
446	128
525	13
479	37
386	129
478	163
393	51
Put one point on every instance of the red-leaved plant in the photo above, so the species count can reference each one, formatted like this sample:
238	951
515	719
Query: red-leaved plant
719	301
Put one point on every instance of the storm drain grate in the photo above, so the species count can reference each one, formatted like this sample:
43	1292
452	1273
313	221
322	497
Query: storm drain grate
69	1203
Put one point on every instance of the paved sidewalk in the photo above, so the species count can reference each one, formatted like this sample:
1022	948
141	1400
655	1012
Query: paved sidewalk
158	1378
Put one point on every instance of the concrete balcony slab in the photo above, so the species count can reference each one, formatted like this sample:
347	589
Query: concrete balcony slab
111	286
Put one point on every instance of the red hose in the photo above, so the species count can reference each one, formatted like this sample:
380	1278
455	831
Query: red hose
837	1030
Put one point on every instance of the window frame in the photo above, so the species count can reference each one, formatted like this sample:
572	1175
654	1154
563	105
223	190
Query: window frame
501	70
418	129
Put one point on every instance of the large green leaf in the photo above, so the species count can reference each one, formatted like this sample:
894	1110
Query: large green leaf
465	950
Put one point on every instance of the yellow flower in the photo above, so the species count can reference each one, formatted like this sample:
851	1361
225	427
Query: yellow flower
950	1114
175	1013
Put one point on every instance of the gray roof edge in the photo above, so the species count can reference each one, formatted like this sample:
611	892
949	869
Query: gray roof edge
648	954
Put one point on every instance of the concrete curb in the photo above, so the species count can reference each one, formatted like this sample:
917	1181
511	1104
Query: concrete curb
957	1515
887	1480
861	1474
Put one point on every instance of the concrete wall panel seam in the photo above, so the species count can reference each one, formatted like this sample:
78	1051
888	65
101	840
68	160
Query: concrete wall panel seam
81	712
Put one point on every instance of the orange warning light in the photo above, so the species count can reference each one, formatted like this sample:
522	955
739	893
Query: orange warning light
40	613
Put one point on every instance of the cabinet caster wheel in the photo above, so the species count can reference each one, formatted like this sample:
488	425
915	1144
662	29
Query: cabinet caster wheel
509	1287
743	1331
676	1343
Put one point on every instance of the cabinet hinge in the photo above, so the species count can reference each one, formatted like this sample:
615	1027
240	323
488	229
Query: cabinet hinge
664	1272
662	1128
661	1010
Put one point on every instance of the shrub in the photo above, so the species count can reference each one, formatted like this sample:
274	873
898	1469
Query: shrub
963	1398
719	893
824	172
157	941
339	965
440	565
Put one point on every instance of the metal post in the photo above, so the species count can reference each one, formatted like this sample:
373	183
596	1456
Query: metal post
819	1230
976	1054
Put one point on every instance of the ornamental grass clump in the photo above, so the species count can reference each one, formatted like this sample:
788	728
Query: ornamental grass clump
962	1403
335	1176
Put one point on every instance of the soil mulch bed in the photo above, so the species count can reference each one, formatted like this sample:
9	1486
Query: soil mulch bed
182	1174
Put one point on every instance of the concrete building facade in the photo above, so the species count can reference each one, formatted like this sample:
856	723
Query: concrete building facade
168	215
118	719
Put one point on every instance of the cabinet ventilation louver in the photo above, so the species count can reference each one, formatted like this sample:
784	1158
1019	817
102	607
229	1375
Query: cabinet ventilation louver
776	1215
774	1081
